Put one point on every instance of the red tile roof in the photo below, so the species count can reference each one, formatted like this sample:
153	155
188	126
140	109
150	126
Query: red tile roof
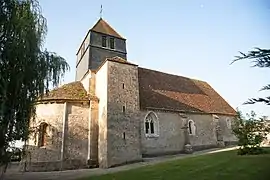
170	92
70	91
103	27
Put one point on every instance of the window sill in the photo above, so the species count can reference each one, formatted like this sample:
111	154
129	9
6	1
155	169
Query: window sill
152	135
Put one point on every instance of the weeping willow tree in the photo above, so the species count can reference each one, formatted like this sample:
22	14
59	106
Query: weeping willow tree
260	58
27	70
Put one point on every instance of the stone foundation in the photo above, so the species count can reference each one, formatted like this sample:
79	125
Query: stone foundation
127	162
52	166
203	147
230	143
162	154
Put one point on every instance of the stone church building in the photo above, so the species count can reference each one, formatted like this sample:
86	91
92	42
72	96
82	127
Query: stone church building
117	112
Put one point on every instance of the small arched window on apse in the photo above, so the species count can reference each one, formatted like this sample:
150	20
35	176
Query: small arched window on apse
43	130
229	123
151	124
191	127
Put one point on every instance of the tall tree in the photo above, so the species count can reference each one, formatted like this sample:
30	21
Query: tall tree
26	69
260	58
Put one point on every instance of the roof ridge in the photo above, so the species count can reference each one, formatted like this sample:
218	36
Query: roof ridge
173	74
102	26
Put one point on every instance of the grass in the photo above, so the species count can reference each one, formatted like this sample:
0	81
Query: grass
219	166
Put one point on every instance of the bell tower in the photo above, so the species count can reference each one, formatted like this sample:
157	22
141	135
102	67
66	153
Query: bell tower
101	42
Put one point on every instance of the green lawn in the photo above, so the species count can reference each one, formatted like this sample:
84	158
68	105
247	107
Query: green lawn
218	166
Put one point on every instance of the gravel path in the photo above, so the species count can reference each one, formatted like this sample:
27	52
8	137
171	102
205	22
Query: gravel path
13	174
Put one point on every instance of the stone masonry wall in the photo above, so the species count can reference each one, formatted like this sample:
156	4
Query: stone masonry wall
123	108
99	53
82	66
75	151
86	42
94	134
226	129
83	59
101	93
86	82
76	145
170	136
52	114
205	134
96	40
94	123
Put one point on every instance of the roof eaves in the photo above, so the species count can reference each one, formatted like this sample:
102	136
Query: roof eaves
186	111
108	59
61	100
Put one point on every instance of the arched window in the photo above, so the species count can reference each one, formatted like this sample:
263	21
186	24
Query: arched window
191	127
43	129
151	124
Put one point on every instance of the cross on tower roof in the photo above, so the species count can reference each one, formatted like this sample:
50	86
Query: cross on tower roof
101	11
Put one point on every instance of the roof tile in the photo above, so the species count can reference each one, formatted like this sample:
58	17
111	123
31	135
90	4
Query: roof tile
70	91
103	27
165	91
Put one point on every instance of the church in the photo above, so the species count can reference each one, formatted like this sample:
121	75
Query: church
116	112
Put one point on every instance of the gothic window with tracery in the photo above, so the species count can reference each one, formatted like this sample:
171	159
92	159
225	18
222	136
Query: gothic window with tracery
151	124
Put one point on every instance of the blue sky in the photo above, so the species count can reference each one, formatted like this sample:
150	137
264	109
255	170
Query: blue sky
193	38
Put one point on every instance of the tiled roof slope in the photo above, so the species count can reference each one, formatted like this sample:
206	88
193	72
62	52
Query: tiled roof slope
165	91
70	91
120	60
103	27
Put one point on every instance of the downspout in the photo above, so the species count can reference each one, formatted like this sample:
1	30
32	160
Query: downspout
63	135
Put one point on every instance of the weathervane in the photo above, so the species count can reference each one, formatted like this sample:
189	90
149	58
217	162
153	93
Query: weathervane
101	11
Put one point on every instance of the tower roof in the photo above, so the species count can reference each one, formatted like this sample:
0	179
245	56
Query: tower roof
103	27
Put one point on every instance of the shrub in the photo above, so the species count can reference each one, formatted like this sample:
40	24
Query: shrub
250	132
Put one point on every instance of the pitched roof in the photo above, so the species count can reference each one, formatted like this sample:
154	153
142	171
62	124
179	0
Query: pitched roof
70	91
119	60
165	91
115	59
103	27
